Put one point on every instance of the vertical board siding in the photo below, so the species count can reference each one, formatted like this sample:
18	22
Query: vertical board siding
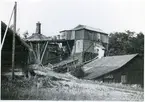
79	34
90	35
88	46
73	35
133	71
21	53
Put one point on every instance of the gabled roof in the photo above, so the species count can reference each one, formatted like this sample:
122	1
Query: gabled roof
79	27
3	25
105	65
87	27
36	37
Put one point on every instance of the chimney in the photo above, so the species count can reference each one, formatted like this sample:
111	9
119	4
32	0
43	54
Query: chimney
38	28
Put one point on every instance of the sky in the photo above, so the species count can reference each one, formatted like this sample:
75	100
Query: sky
57	15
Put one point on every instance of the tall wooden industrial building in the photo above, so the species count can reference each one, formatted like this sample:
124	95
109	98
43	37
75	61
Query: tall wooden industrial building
83	43
88	42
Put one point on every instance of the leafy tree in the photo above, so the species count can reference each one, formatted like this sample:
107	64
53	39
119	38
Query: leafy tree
127	42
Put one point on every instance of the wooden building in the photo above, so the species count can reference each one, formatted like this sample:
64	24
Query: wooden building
126	69
87	40
21	50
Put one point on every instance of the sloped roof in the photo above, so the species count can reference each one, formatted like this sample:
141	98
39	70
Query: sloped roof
36	37
105	65
79	27
3	25
87	27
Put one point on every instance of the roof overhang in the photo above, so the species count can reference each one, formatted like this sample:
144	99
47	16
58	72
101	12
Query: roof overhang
3	25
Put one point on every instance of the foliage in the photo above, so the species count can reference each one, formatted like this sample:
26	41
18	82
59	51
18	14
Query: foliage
127	42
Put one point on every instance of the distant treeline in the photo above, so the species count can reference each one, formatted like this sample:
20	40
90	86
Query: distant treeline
127	42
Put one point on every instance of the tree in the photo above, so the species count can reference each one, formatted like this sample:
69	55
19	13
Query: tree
137	44
127	42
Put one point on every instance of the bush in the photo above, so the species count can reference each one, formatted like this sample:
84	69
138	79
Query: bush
77	72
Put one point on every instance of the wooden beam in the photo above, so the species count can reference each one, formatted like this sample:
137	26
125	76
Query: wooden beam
33	50
68	47
44	51
13	46
6	30
74	52
70	52
87	49
38	53
42	48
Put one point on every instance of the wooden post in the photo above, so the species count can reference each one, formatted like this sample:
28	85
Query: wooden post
68	47
107	50
44	51
13	46
38	53
33	51
74	52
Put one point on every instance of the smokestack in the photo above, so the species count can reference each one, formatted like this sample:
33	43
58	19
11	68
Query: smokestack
38	28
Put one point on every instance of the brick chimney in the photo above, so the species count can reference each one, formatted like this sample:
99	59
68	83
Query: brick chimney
38	28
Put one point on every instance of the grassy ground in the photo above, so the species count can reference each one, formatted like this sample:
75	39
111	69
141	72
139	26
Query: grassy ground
44	89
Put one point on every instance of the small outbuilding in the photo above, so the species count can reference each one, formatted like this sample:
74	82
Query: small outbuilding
126	69
89	42
21	50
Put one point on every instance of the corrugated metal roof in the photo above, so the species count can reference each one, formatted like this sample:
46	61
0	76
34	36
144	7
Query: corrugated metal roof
105	65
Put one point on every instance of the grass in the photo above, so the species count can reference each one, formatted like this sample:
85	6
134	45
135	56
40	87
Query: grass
133	87
24	89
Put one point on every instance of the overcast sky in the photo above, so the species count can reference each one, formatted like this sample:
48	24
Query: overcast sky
57	15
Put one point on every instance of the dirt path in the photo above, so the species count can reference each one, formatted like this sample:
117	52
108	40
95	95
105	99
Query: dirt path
102	92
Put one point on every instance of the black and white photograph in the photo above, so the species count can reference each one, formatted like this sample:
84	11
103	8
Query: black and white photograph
72	50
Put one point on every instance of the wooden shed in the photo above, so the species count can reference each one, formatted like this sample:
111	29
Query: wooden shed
21	50
126	69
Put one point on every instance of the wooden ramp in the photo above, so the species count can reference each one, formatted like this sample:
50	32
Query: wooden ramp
65	64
